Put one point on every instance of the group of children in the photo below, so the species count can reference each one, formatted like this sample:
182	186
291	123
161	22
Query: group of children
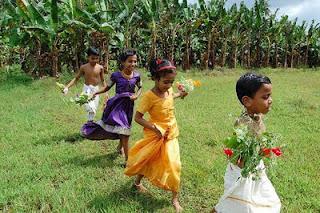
156	156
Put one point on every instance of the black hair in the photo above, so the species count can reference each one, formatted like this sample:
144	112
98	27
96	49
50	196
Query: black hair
126	53
160	67
92	51
249	83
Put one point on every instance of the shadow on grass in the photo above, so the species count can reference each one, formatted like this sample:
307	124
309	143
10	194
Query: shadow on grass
101	161
120	200
57	139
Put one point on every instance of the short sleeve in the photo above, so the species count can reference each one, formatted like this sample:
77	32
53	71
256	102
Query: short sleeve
111	80
145	103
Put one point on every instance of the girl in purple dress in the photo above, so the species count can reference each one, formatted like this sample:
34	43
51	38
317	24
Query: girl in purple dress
117	116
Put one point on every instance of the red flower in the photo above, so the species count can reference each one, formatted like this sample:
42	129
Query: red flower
277	151
266	152
228	152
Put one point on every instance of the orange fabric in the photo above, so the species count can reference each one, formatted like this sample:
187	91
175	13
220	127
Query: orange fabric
158	160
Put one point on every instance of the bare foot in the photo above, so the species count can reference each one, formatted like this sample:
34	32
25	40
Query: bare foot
120	151
213	210
140	188
124	165
176	205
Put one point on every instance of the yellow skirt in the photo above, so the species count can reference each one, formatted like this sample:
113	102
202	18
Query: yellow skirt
157	160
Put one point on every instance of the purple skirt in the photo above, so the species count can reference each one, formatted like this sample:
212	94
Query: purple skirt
116	119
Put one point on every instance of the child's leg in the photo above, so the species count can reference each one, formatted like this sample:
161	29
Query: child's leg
124	140
138	179
213	210
91	116
120	148
138	185
175	202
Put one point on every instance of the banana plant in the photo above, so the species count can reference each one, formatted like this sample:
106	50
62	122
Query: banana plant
210	16
44	28
128	20
151	10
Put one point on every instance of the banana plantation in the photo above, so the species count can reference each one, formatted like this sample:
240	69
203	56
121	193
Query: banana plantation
48	36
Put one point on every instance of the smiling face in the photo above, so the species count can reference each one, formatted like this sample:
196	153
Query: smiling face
130	63
93	59
261	101
164	83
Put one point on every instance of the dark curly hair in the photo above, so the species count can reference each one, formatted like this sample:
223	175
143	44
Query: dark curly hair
92	51
126	53
249	83
161	67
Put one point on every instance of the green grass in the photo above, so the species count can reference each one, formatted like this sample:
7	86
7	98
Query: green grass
47	167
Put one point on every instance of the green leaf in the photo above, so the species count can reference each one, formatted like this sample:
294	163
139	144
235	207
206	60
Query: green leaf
54	13
231	142
119	36
107	28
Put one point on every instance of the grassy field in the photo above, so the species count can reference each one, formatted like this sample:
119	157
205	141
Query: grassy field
47	167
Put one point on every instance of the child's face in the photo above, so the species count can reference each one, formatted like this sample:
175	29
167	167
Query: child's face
130	63
261	102
165	82
93	59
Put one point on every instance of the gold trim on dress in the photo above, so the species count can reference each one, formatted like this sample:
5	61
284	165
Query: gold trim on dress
251	203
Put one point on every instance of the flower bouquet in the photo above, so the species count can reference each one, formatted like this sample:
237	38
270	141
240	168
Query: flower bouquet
60	86
82	99
187	85
249	149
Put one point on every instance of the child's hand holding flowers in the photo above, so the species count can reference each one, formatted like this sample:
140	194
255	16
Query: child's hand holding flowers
83	99
247	150
186	85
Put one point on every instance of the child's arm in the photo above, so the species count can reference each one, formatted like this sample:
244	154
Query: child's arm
107	86
74	80
180	94
103	90
104	84
146	124
137	95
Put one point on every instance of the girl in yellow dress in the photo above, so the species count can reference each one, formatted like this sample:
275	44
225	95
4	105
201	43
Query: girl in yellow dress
157	156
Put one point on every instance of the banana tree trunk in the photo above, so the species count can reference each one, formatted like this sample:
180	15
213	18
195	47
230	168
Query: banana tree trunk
249	55
204	60
267	58
234	54
224	53
298	57
292	58
186	63
127	38
105	49
38	56
76	49
173	38
213	55
242	57
258	53
153	50
306	54
276	56
235	57
55	59
207	54
286	57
